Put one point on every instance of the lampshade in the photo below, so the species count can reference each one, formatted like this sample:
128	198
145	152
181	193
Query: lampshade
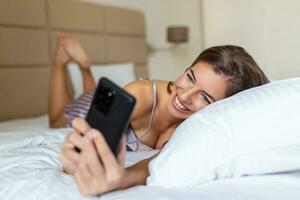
177	34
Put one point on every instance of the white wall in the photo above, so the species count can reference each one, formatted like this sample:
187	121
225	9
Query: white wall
159	14
268	29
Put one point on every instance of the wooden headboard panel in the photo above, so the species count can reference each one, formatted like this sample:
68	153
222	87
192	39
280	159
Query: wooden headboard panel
27	42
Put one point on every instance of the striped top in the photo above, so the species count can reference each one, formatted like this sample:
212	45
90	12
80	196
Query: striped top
79	108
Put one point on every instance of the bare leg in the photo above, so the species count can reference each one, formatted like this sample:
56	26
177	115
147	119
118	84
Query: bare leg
77	54
88	80
68	49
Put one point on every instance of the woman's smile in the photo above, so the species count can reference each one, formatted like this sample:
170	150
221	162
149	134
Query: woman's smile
179	105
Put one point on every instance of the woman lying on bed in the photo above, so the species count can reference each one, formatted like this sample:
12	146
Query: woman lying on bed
217	73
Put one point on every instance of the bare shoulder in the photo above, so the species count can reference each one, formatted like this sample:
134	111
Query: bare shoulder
139	87
162	85
144	87
142	91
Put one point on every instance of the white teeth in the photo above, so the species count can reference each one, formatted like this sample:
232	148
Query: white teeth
179	105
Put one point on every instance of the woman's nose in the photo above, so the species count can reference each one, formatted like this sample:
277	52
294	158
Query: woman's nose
186	95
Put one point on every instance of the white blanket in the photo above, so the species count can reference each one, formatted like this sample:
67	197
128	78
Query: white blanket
29	165
29	169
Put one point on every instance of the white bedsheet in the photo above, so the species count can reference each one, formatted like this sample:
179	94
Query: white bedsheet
36	123
29	169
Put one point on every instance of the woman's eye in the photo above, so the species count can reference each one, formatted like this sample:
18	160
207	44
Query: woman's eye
190	78
204	99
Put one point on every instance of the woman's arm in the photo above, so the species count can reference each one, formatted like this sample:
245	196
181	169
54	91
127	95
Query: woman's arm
136	174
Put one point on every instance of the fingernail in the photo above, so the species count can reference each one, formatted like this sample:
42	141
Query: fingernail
93	133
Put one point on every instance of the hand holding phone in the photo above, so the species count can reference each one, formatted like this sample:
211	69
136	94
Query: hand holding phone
110	112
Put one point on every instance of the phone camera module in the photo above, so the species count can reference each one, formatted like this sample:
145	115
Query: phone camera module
104	99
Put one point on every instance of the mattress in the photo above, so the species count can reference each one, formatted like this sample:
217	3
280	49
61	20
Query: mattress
30	169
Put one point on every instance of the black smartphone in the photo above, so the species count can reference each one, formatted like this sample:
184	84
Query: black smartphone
110	112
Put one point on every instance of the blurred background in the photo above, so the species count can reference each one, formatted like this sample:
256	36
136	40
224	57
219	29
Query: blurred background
268	29
131	39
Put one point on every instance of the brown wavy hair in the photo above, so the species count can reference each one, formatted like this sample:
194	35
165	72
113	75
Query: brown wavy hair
234	62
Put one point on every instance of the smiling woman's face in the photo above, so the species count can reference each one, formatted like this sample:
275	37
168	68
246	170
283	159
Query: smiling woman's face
198	87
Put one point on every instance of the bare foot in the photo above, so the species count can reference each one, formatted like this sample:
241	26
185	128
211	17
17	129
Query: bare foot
71	46
61	56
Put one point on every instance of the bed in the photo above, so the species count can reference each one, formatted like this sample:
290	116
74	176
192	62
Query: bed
30	170
29	165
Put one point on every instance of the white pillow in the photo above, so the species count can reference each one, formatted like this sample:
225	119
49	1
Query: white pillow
121	74
253	132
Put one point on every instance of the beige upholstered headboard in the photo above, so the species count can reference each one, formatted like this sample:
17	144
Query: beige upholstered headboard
27	42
